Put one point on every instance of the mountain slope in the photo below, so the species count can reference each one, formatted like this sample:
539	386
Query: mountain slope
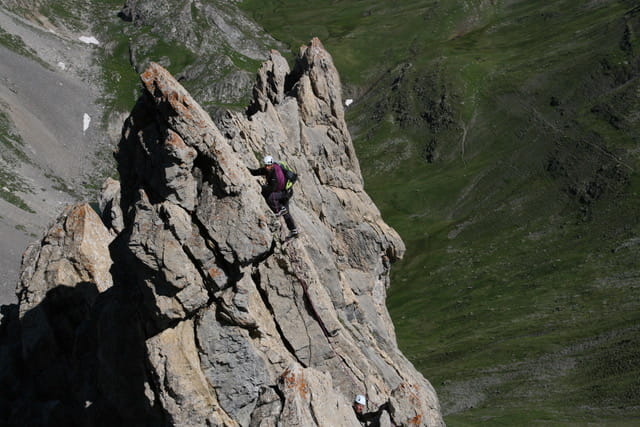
53	147
500	140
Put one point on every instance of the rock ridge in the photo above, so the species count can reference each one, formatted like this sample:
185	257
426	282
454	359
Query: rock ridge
186	306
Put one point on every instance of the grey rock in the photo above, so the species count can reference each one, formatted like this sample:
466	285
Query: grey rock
75	250
183	386
270	83
223	19
231	324
268	409
232	365
109	204
173	285
310	399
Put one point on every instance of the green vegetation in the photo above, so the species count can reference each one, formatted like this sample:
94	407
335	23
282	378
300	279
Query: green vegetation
8	186
10	141
182	51
14	43
17	45
67	13
10	154
59	184
504	151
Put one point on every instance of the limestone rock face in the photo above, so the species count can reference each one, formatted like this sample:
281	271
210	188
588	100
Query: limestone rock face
74	250
208	315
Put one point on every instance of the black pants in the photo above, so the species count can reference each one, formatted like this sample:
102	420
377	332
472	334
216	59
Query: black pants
277	200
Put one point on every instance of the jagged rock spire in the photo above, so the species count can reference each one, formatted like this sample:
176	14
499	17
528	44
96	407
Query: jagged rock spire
211	319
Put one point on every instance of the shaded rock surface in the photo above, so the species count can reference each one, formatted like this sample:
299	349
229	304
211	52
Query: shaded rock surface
207	316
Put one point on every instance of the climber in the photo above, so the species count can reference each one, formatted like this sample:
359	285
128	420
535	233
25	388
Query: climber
371	419
277	190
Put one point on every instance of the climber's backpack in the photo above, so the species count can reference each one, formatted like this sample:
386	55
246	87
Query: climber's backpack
289	174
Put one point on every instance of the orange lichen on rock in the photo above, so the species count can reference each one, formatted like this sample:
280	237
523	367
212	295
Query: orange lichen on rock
415	420
293	382
213	272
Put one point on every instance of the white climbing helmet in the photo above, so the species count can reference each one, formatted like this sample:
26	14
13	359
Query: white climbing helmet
360	399
268	160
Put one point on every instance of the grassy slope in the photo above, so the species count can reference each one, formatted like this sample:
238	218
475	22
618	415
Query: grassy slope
518	296
12	154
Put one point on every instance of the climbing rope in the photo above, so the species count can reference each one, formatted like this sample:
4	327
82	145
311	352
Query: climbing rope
298	272
296	262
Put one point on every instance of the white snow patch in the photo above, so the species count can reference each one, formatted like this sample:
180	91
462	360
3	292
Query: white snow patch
348	102
86	119
89	40
62	65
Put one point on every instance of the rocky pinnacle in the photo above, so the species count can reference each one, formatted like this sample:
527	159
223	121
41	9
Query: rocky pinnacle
187	306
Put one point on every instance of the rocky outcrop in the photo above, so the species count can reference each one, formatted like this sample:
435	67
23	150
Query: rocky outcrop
74	250
209	316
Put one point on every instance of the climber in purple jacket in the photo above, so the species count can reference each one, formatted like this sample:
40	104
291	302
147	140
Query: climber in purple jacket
275	191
